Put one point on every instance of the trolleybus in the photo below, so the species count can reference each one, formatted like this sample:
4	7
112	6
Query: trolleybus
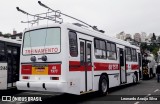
71	58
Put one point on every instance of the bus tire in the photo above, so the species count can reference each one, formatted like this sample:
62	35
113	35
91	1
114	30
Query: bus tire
135	78
103	85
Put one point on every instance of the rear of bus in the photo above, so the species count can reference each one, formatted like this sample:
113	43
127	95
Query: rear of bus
44	59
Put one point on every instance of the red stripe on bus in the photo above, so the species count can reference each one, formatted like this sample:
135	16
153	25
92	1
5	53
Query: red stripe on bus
134	66
106	66
126	66
76	66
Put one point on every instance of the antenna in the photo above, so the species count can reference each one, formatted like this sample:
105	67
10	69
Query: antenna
93	27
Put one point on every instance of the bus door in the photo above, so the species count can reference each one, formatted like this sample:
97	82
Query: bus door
122	66
86	63
13	56
140	62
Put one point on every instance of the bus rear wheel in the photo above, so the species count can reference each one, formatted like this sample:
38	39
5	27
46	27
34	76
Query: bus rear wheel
103	85
135	78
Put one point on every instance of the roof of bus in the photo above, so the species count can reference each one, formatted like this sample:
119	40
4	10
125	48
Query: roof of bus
85	30
99	35
10	40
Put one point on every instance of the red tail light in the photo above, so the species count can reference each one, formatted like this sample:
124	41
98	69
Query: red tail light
25	77
26	69
54	78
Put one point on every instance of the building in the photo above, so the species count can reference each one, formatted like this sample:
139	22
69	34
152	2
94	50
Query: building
129	39
128	36
121	35
144	37
137	37
17	36
150	35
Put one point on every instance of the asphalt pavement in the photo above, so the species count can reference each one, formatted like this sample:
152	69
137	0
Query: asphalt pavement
145	92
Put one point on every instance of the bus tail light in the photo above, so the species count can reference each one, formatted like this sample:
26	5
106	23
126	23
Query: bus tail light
25	77
54	78
26	69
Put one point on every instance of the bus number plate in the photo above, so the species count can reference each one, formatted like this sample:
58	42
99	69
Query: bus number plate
39	69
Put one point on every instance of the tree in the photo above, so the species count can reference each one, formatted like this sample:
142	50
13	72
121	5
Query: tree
155	50
144	46
153	38
1	33
7	35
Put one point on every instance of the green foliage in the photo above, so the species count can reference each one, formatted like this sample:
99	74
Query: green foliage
1	33
153	48
7	35
144	46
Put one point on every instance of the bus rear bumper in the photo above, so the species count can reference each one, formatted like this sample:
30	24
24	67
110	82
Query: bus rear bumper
42	86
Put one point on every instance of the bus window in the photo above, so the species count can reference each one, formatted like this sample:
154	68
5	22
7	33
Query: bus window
15	63
128	54
2	52
73	44
111	51
82	52
88	53
9	59
100	49
134	55
48	41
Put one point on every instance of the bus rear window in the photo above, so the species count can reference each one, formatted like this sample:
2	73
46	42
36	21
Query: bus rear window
42	41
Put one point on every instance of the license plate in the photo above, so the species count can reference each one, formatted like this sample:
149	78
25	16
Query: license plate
39	69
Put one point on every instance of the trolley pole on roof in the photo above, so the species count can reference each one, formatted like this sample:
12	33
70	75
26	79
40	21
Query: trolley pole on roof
20	10
53	17
43	5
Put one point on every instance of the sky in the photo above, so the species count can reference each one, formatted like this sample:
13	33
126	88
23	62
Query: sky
112	16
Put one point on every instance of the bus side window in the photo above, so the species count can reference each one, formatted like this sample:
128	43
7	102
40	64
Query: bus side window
88	53
128	54
82	52
73	44
100	47
111	51
2	52
134	55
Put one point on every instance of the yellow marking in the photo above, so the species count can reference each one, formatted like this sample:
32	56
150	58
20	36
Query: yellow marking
42	70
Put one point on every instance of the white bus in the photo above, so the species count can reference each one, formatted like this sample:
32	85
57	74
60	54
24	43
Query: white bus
9	63
71	59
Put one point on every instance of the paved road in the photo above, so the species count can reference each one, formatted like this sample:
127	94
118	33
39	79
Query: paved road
146	88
